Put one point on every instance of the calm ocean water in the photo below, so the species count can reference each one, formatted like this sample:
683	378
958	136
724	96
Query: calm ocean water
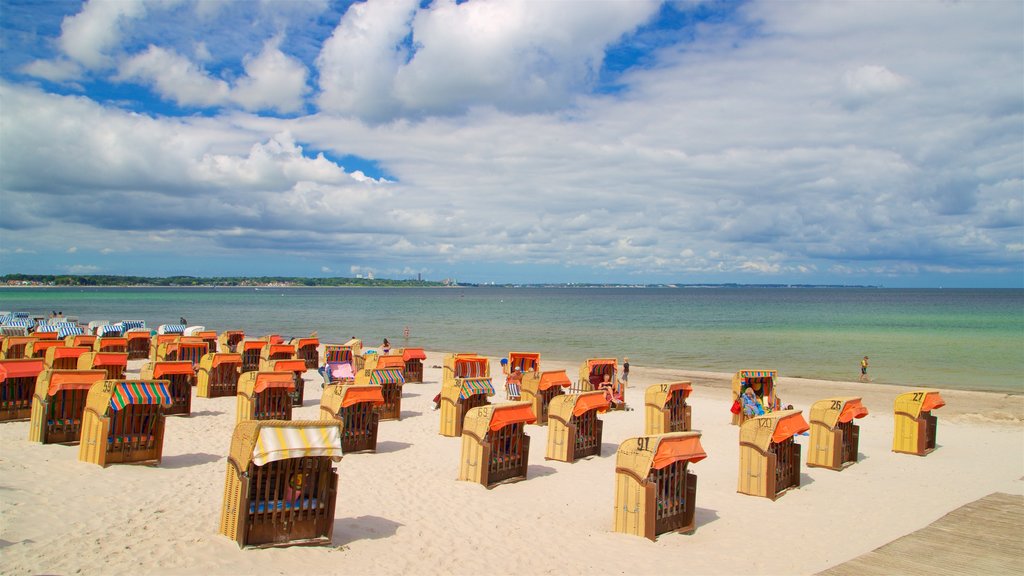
965	339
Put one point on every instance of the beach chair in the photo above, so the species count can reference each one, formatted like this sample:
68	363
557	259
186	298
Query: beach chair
210	337
338	365
307	349
187	349
591	377
45	332
251	350
115	363
834	437
495	447
277	352
655	492
178	329
378	362
229	340
769	456
109	331
13	347
80	340
138	343
265	396
413	358
65	329
464	365
93	327
123	422
180	378
193	330
158	346
665	408
280	488
459	397
356	407
17	382
763	382
391	381
58	405
915	427
574	430
540	388
38	348
297	367
110	344
217	375
63	357
526	362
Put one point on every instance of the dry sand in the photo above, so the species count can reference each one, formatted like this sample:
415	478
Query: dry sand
401	510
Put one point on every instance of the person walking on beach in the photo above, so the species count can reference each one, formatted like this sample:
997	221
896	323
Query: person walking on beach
386	347
864	370
625	370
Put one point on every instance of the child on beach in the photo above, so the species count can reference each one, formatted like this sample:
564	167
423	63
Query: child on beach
864	370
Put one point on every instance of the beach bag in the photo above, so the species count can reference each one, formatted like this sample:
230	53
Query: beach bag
735	407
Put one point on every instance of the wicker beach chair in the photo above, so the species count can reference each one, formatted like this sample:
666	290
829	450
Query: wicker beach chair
218	375
110	344
115	363
356	406
495	447
17	382
38	348
158	345
460	394
265	396
540	388
13	347
279	351
915	427
63	357
251	350
591	377
655	492
835	439
123	422
413	358
391	381
297	367
58	405
574	430
138	343
280	488
763	383
229	340
178	329
180	378
80	340
308	350
526	361
769	457
665	408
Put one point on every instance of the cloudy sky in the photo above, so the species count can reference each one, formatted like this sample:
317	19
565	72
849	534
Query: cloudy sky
501	140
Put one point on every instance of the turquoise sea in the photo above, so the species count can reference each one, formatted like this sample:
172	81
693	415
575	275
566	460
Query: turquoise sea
965	339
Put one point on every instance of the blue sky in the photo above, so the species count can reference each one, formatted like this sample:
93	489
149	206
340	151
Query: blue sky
516	141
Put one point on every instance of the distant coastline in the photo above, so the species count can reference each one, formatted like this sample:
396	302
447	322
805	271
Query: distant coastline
112	281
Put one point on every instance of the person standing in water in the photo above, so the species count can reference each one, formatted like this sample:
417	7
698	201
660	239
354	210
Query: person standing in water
864	370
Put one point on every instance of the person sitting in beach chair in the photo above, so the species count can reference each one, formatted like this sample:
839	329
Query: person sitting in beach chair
751	404
610	394
513	384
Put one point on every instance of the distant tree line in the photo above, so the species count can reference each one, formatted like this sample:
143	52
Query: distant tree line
108	280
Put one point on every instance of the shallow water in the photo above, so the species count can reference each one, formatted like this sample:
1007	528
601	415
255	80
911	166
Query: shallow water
965	339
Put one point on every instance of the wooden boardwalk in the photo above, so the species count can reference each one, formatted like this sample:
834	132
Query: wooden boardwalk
983	537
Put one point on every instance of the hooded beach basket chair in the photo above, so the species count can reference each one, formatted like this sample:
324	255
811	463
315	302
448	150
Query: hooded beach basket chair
277	352
458	397
769	456
58	405
251	350
526	362
217	375
93	327
540	388
229	340
180	378
14	347
64	357
464	365
110	344
281	485
655	492
495	447
378	362
297	367
115	363
178	329
38	348
80	340
308	350
108	331
210	337
138	343
665	408
391	381
184	349
123	422
915	427
158	345
413	358
574	430
17	382
339	365
356	407
193	330
591	377
265	396
763	384
834	436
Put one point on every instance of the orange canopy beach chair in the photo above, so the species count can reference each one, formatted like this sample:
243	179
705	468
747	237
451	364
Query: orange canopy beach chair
540	388
495	447
769	458
180	378
115	363
58	405
654	491
915	427
574	430
356	407
391	381
414	358
218	375
665	408
265	396
834	436
17	382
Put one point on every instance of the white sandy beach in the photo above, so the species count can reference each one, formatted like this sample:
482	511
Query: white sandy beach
402	511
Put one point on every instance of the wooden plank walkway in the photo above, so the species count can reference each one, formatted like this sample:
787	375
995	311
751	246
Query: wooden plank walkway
983	537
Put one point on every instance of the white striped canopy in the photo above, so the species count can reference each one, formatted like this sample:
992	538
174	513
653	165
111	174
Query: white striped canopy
279	443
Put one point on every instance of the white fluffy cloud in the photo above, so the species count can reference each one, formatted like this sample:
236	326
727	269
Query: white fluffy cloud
87	36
